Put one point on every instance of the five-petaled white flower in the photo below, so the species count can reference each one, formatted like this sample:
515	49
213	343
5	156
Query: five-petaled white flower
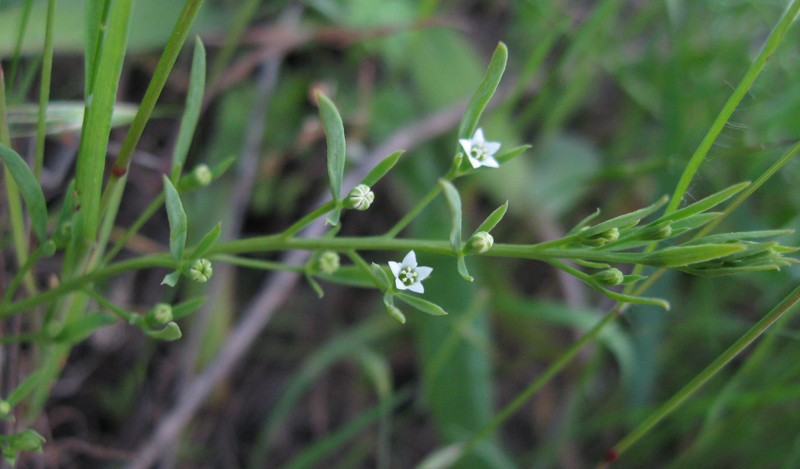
479	151
408	276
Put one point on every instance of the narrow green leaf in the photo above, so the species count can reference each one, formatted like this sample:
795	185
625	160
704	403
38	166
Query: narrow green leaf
694	221
29	188
685	255
171	279
177	221
382	168
315	285
484	92
380	274
334	216
462	269
493	219
584	222
454	203
625	221
191	114
187	307
705	204
79	330
207	242
423	305
169	333
334	134
511	154
737	236
26	387
393	310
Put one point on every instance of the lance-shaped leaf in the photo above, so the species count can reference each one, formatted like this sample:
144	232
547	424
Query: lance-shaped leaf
624	221
484	92
423	305
177	221
685	255
493	219
382	168
29	188
191	114
394	311
334	135
381	277
207	242
738	236
171	279
705	204
82	328
187	307
314	284
454	204
511	154
584	222
168	333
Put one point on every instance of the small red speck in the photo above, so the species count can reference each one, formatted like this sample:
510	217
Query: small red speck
611	455
118	172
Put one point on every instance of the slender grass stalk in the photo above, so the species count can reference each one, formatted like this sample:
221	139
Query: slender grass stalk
257	263
23	27
788	304
412	214
44	88
306	220
134	228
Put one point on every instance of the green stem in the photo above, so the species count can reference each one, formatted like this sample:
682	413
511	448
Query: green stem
775	38
783	307
257	263
134	228
398	227
44	88
303	222
20	275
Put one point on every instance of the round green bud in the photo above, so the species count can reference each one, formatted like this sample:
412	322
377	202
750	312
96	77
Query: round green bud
599	239
202	174
200	270
5	408
609	277
360	198
328	262
48	248
160	314
479	243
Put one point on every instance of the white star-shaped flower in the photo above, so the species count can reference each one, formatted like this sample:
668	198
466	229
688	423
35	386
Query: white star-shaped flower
479	151
409	276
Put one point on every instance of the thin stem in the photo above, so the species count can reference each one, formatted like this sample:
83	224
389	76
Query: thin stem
257	263
788	304
20	275
134	228
303	222
44	88
775	38
398	227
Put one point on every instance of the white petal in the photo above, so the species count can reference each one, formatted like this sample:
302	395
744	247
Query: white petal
466	145
417	287
476	163
491	162
410	260
399	284
395	267
423	273
478	137
492	147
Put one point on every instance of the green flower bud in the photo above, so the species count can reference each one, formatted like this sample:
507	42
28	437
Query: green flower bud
662	230
360	198
48	248
328	262
160	314
201	270
479	243
599	239
609	277
5	408
202	174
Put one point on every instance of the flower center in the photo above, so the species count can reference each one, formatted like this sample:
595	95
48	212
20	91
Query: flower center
479	153
408	276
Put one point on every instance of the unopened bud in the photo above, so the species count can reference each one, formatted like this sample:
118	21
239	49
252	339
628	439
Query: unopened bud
662	230
599	239
360	198
160	314
328	262
203	175
479	243
609	277
201	270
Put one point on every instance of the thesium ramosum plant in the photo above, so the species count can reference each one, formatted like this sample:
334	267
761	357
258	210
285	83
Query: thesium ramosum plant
65	247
